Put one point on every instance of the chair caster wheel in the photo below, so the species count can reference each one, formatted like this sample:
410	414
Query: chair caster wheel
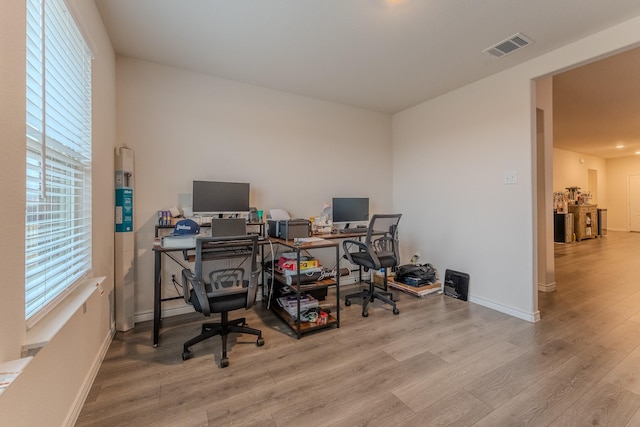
365	314
347	302
372	299
224	362
186	355
260	342
396	311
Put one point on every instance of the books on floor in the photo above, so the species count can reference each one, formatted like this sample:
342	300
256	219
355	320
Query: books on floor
419	291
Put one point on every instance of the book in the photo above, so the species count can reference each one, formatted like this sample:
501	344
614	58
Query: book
289	263
303	271
179	242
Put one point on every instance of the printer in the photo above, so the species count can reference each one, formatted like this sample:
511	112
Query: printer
289	229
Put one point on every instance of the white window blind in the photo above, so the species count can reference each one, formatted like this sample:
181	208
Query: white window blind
58	181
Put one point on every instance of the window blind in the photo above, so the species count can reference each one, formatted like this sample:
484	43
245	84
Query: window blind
58	157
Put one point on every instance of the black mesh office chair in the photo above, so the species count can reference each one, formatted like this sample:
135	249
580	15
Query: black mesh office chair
227	289
379	250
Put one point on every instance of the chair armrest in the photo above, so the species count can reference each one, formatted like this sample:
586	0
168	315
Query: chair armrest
198	288
348	244
187	277
362	247
253	288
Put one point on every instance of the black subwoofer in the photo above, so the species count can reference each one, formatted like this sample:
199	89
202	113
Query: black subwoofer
456	284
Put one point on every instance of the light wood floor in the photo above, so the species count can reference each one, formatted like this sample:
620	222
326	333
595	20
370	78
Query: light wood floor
440	362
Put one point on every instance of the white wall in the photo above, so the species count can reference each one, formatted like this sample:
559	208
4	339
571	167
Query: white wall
458	213
12	171
450	155
296	152
570	169
51	389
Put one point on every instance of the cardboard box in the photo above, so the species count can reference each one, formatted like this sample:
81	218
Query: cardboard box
378	279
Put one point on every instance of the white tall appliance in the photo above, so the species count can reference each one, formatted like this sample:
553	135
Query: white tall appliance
124	240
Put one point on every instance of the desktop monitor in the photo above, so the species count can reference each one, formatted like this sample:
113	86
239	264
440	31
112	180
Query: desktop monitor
350	209
212	197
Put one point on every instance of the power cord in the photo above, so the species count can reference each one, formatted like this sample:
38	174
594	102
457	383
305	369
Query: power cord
271	279
176	284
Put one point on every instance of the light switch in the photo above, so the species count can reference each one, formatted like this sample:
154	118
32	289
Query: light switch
511	177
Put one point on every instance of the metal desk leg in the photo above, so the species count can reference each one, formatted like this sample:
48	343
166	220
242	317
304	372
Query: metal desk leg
157	296
338	286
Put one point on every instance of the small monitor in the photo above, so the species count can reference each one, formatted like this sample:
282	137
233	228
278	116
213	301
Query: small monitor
350	209
218	197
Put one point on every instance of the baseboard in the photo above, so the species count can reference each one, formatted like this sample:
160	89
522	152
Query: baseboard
547	287
529	317
74	413
168	312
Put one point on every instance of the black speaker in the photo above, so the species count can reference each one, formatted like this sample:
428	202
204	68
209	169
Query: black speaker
456	284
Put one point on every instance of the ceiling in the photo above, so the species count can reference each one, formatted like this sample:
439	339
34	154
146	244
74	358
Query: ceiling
382	55
596	107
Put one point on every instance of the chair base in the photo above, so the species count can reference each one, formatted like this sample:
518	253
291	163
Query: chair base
222	328
370	295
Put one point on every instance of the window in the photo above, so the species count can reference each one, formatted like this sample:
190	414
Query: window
58	143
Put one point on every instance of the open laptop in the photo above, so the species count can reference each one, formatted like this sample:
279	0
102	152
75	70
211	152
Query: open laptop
224	227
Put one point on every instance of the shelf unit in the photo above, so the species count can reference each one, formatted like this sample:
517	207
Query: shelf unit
585	221
297	289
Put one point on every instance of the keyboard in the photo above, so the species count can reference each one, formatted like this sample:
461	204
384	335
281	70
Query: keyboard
361	230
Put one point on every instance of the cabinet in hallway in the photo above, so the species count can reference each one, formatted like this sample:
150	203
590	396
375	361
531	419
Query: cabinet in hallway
585	221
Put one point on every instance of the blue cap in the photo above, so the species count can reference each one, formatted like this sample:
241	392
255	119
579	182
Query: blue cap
186	227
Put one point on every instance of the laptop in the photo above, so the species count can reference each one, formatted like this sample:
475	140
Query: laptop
224	227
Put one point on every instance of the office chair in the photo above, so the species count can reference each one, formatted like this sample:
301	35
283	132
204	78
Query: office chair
379	250
227	289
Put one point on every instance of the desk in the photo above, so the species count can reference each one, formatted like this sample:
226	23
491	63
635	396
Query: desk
222	252
180	256
260	225
338	235
158	251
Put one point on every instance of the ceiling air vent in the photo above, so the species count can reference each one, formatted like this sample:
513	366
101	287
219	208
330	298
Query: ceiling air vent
510	45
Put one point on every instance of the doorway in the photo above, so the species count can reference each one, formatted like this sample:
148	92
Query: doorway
634	203
577	133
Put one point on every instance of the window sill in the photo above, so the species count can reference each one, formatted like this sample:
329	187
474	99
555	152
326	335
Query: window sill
9	371
48	327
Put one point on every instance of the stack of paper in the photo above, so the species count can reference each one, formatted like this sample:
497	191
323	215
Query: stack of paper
290	304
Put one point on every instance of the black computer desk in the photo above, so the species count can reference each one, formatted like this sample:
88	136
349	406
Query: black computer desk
181	257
